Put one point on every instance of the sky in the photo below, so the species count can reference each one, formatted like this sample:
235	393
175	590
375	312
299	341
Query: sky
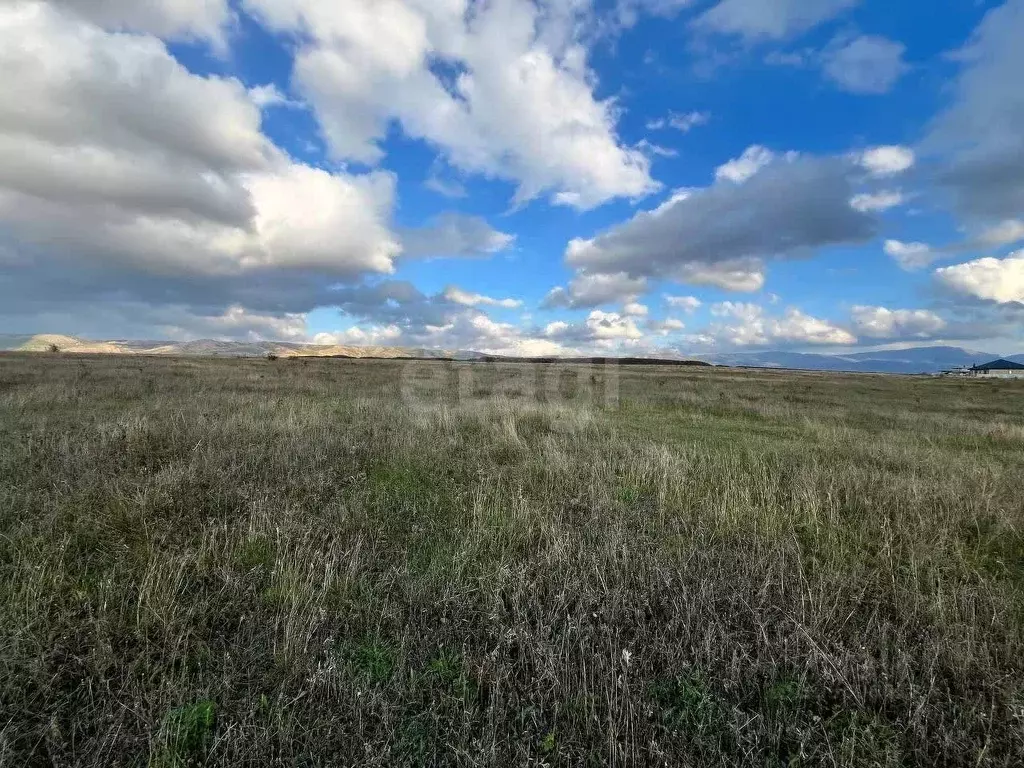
532	177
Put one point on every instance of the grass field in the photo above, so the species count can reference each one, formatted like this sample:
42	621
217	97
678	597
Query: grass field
333	563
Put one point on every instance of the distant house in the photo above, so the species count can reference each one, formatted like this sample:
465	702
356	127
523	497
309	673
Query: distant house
963	370
999	369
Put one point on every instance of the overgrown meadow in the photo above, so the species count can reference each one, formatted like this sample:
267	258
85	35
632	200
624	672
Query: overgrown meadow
387	563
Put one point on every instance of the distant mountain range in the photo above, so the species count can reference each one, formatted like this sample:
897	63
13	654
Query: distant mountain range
913	360
206	347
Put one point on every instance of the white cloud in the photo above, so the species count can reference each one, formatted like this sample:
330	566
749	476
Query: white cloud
689	304
476	331
740	169
887	160
586	291
775	20
455	234
877	201
200	19
866	65
645	145
458	296
720	235
746	324
797	327
628	11
884	323
1004	233
910	256
517	101
669	326
237	322
400	315
635	309
373	335
126	180
990	279
979	137
268	96
309	218
445	187
107	91
685	122
106	320
133	155
740	275
598	327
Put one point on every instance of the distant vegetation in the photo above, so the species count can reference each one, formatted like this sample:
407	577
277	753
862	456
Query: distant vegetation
223	562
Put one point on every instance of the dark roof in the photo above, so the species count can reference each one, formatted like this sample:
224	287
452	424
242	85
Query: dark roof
1000	365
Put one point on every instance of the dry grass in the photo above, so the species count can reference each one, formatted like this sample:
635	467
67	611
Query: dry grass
288	563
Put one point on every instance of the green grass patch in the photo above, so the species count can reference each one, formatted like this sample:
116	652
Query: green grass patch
186	735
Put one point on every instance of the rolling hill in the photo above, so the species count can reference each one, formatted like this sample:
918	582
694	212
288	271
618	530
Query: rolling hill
916	360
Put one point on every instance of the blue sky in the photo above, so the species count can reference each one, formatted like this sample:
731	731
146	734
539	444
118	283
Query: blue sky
519	176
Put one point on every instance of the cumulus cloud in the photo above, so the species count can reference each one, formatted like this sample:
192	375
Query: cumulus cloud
719	235
588	291
667	327
268	96
473	330
124	178
135	156
393	302
740	275
599	326
887	160
882	200
309	218
458	296
452	319
502	89
159	321
109	91
456	328
989	279
884	323
979	135
689	304
373	335
910	256
455	234
756	20
1004	233
867	65
199	19
236	322
740	169
746	324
